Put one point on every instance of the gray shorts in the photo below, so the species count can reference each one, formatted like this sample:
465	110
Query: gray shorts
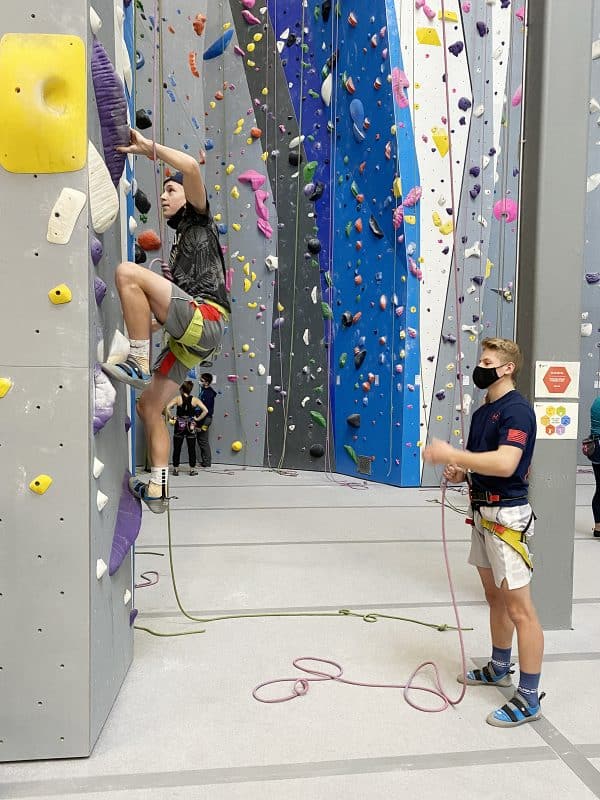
490	552
182	309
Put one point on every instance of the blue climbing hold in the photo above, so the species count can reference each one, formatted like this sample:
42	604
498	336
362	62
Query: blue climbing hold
357	112
218	48
209	144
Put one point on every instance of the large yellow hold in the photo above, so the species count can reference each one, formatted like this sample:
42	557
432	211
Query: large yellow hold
43	103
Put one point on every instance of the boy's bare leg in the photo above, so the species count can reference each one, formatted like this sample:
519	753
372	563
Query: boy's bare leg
501	626
142	292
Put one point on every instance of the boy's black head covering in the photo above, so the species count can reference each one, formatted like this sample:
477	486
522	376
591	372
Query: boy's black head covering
177	177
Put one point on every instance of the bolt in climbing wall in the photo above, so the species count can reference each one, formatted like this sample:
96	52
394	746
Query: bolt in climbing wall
67	524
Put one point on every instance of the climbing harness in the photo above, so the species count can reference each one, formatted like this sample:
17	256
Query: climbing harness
513	538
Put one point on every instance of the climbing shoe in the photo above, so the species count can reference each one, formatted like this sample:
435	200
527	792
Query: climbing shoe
193	472
128	372
516	712
175	471
158	505
485	677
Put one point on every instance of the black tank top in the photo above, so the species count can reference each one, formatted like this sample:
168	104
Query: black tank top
186	409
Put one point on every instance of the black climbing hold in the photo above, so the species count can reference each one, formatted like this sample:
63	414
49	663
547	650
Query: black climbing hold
313	246
359	358
142	203
317	451
295	158
140	255
375	229
353	420
317	191
142	120
325	10
291	40
347	319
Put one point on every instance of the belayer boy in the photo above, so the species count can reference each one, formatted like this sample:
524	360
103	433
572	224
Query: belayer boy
191	302
496	466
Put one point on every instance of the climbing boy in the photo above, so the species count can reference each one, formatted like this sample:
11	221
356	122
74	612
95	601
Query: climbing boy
191	302
496	466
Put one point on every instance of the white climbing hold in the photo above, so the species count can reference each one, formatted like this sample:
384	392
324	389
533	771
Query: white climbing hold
594	106
126	597
100	568
132	225
466	407
586	328
593	182
296	142
125	185
64	215
478	110
485	161
291	428
95	21
306	337
482	221
473	252
596	49
98	468
261	369
101	500
271	262
104	200
474	329
280	45
304	401
119	349
285	34
313	295
326	90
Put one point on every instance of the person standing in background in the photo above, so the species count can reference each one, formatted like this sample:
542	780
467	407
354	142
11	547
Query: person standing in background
207	398
595	459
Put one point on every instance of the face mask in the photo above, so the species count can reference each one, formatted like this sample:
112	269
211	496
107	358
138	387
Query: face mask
484	377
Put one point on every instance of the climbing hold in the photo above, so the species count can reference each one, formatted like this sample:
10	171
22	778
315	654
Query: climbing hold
506	209
326	90
41	484
375	229
456	48
101	500
326	310
127	525
104	200
99	289
142	119
517	97
236	446
271	262
193	64
255	133
309	170
249	17
440	138
142	203
255	179
428	36
357	112
60	294
97	468
342	360
317	451
112	110
198	24
95	21
149	241
96	250
317	417
139	255
104	399
351	452
359	357
101	568
219	46
5	386
313	246
353	420
64	215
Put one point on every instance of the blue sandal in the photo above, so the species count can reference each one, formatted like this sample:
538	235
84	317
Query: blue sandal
516	712
139	489
486	677
128	372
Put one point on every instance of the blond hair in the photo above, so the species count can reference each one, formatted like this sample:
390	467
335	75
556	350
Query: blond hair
509	349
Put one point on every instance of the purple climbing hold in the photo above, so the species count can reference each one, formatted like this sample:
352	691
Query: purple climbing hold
448	338
456	48
482	28
127	423
478	279
592	277
277	323
99	289
464	103
440	395
132	615
112	110
474	171
127	525
475	191
96	250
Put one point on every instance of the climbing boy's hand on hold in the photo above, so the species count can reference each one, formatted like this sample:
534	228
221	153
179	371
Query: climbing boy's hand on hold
138	145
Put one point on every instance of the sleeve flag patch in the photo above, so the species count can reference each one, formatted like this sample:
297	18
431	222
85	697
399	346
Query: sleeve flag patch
514	435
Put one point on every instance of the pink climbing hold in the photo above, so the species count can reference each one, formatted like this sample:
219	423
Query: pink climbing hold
466	7
398	217
429	12
254	178
413	197
264	227
414	270
250	18
520	13
517	96
239	52
259	201
248	3
419	4
506	210
399	83
229	278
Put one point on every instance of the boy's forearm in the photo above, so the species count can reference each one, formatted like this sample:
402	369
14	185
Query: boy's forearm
174	158
491	463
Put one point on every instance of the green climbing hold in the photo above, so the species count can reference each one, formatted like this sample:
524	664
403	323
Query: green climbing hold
348	228
313	94
319	418
328	279
309	170
351	453
354	189
327	312
343	359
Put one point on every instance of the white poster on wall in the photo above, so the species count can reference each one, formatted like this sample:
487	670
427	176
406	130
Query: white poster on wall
556	420
557	379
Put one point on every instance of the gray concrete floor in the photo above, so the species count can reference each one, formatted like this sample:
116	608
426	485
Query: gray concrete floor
186	726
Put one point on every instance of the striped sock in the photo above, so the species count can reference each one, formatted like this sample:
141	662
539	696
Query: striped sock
158	482
528	687
501	660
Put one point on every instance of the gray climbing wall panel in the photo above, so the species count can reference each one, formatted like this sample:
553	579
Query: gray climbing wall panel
589	381
66	636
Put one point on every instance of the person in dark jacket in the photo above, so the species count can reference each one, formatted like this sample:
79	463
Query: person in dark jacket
207	399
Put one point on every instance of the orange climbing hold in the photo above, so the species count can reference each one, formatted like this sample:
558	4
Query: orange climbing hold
352	19
358	224
198	24
366	387
192	61
149	240
171	29
350	87
255	133
358	280
219	95
356	317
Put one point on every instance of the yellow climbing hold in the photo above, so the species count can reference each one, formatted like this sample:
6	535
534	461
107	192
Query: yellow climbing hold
241	258
226	26
410	219
448	16
257	37
251	63
265	91
264	156
437	220
229	169
440	138
397	187
60	294
428	36
235	193
253	276
245	348
393	130
251	47
251	355
41	484
270	409
447	228
253	305
217	187
488	268
236	226
439	418
280	307
246	268
212	104
217	217
247	284
236	446
5	386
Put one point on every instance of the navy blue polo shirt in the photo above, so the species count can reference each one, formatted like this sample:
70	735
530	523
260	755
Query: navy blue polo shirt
507	421
207	396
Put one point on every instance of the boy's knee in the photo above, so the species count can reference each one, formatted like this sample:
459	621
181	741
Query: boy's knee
125	272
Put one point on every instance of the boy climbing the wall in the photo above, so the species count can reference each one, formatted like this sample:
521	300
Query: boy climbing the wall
191	302
496	466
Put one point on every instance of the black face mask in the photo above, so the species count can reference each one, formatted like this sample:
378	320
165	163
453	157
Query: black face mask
176	218
484	377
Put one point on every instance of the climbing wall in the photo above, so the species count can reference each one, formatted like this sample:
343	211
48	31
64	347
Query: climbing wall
65	586
391	194
589	381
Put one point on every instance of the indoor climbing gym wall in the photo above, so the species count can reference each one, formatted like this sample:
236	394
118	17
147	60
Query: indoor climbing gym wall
589	383
68	520
362	163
